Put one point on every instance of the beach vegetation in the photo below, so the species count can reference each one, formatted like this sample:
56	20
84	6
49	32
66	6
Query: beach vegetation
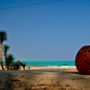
9	61
23	65
19	64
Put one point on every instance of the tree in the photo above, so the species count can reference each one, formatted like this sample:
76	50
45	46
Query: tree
6	48
3	37
9	61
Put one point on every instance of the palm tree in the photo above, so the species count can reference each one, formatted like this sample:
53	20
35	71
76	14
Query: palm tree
9	61
3	37
6	47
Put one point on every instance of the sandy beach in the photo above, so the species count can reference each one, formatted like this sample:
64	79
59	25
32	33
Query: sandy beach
44	78
68	68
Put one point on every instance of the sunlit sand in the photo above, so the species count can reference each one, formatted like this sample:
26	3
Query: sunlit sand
44	78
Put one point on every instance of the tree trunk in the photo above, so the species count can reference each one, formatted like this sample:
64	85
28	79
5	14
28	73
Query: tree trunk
5	57
1	56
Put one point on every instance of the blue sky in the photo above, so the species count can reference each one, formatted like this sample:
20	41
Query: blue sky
45	30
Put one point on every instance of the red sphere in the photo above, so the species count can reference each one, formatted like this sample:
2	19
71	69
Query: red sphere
82	60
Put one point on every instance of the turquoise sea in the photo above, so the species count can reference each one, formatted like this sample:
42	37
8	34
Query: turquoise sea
49	63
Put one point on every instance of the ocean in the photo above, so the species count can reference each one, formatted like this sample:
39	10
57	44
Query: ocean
49	63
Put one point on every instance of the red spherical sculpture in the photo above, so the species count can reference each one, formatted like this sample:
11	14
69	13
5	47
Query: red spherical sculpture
82	60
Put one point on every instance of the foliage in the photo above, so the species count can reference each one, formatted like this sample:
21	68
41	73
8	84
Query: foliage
6	47
18	63
3	36
9	61
13	65
22	64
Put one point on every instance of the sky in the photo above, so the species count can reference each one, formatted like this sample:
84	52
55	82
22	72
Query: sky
45	29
